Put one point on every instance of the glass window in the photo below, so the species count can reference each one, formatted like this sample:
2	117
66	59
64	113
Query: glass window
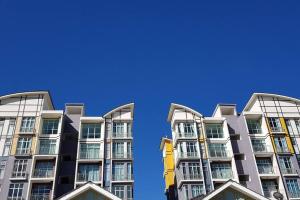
89	151
281	144
188	128
221	170
269	186
19	169
24	145
194	171
119	171
41	191
264	165
50	126
27	124
118	150
197	190
88	172
217	150
191	149
297	122
286	165
44	169
15	190
254	126
2	169
47	147
7	145
2	120
214	130
91	131
118	128
11	126
275	124
119	190
293	188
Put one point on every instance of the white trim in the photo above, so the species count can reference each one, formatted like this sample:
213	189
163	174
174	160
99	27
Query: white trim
174	106
129	105
87	187
237	187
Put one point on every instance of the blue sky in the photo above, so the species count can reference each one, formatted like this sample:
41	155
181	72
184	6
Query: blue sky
108	53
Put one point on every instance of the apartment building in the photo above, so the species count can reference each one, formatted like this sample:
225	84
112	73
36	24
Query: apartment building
46	153
258	149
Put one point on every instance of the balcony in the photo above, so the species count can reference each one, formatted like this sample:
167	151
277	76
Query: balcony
269	192
121	135
217	154
261	148
185	136
47	150
89	154
282	149
123	177
122	155
192	176
188	155
222	174
23	152
84	177
254	130
43	173
40	196
294	194
265	169
277	130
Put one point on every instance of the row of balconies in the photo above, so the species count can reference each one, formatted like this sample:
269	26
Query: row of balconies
42	151
37	173
95	154
83	177
212	154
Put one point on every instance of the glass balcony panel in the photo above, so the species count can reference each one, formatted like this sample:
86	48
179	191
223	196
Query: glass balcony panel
89	154
122	177
121	155
188	154
43	173
82	177
265	169
222	174
47	150
40	196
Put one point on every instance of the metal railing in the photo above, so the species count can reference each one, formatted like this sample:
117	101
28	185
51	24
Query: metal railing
121	155
21	151
269	192
261	148
254	130
192	176
19	175
277	129
288	171
123	177
40	196
47	150
88	177
188	155
222	174
43	173
282	149
89	154
121	135
219	153
294	194
265	169
185	135
15	198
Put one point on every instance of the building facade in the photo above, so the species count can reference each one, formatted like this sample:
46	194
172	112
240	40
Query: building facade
258	148
46	153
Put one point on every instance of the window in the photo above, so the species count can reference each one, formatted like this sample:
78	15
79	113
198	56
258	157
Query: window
50	126
288	123
281	144
15	191
214	130
269	186
88	172
194	171
1	125
191	149
188	128
89	151
119	190
118	150
264	165
254	126
91	131
41	191
275	124
24	145
185	190
47	147
11	126
129	192
118	128
286	165
197	190
44	169
293	188
121	171
221	170
19	169
297	122
217	150
2	169
259	145
27	124
7	145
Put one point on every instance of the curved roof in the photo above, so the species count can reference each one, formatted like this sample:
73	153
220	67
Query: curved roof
178	106
129	105
255	95
38	92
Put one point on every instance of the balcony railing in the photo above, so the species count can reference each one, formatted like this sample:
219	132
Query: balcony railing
15	198
21	175
265	169
47	150
122	155
89	154
269	192
40	196
123	177
282	149
261	148
254	130
222	174
82	177
188	155
43	173
192	176
121	135
288	171
294	194
23	152
277	129
185	135
219	153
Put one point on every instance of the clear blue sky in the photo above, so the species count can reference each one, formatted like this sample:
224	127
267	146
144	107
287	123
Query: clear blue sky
152	53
